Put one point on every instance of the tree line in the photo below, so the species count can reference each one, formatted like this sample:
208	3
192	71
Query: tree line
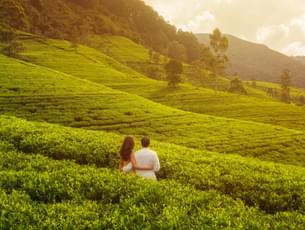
75	20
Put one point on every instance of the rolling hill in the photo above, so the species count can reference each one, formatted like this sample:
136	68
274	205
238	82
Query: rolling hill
256	61
96	106
257	106
84	75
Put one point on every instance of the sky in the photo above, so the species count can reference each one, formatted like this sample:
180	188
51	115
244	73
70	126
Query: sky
280	24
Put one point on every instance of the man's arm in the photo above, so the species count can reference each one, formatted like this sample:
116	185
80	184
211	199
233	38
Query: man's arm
156	162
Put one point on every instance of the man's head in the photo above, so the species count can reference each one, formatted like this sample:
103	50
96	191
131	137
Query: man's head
145	141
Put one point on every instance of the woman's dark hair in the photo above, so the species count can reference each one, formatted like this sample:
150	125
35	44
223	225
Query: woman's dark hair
126	148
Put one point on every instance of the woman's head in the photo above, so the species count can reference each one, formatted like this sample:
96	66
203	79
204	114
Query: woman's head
126	148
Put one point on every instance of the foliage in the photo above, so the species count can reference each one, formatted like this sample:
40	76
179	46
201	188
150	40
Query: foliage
219	44
237	86
207	59
173	70
257	183
75	20
13	14
36	192
177	51
285	84
192	47
302	100
13	48
7	34
154	72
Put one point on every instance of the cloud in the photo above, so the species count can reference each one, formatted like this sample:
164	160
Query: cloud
295	49
288	38
278	24
205	22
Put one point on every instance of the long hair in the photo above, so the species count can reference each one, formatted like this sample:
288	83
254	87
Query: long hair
126	148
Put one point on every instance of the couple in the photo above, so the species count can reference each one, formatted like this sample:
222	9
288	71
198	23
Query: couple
144	162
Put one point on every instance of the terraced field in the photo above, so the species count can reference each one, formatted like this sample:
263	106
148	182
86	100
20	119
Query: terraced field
207	185
98	107
87	63
228	161
295	92
137	57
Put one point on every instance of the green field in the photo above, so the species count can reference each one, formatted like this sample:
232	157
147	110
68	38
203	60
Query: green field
241	157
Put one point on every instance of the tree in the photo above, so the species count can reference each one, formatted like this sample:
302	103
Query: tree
236	86
156	57
13	48
207	59
13	14
150	54
270	92
285	86
219	44
253	83
190	42
302	100
154	71
176	51
7	34
173	70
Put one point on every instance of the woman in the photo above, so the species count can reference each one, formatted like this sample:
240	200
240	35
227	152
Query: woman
127	155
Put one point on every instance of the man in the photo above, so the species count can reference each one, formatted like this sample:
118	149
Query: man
145	156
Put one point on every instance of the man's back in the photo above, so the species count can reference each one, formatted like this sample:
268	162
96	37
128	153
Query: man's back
145	156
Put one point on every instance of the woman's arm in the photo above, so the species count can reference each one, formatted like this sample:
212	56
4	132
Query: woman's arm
139	167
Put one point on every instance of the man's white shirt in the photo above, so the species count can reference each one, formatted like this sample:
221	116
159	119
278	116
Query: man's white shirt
146	157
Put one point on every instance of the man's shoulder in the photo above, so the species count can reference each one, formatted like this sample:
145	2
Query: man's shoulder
146	151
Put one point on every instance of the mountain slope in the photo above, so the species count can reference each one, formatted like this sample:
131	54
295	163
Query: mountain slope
255	61
300	59
75	20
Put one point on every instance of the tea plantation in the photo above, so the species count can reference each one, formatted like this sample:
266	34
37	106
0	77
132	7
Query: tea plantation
95	106
90	64
202	189
228	161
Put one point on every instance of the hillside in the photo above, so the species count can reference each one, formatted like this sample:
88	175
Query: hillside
75	20
137	57
255	61
77	76
300	59
104	108
257	106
